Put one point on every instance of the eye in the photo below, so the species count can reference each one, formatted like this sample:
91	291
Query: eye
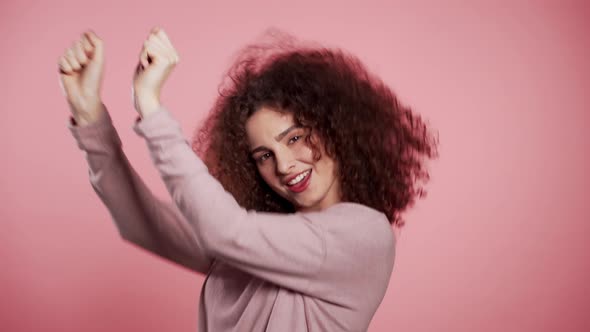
294	139
264	157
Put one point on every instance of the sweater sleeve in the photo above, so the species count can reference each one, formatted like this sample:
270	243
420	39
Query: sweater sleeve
140	217
305	252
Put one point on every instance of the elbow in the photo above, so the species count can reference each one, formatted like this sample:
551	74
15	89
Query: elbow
138	241
219	240
132	239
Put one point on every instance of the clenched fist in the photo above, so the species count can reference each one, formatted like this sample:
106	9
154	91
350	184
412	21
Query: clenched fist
80	73
156	61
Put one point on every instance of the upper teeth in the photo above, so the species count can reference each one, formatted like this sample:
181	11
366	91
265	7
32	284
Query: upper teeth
298	178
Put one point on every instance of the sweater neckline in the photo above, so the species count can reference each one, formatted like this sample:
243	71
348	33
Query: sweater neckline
344	204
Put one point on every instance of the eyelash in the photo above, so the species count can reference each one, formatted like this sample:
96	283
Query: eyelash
296	137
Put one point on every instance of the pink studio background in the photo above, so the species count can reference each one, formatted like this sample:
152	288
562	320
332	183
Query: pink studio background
499	243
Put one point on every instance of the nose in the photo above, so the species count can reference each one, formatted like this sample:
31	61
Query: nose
285	161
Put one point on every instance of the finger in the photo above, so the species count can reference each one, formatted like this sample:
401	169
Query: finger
164	37
61	86
160	46
148	54
64	66
71	57
94	40
96	43
138	68
143	57
155	30
161	35
153	39
154	52
79	53
87	46
157	40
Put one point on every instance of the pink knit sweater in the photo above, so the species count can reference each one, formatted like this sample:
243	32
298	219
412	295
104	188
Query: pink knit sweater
314	271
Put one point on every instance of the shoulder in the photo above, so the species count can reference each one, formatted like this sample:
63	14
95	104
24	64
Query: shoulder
355	210
355	223
359	254
349	213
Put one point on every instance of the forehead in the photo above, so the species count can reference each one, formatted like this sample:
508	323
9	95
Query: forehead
265	124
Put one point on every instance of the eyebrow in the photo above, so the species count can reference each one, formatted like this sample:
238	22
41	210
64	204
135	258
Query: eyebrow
277	138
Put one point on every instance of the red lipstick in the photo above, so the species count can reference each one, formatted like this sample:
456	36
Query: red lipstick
301	186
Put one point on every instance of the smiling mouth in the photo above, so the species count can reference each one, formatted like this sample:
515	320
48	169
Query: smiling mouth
302	184
301	177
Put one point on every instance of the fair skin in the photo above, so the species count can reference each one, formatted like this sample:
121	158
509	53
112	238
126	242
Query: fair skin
81	70
279	158
279	149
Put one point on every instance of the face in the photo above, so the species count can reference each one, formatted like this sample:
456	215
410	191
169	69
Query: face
286	163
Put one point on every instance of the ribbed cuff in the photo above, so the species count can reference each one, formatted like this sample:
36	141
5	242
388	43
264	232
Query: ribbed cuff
98	136
160	126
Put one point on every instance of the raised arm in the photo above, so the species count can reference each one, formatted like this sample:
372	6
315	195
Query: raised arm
139	215
319	253
327	254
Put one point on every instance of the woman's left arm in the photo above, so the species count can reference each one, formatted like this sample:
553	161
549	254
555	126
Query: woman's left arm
324	254
310	253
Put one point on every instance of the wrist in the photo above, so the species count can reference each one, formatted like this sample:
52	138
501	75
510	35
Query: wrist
89	115
147	105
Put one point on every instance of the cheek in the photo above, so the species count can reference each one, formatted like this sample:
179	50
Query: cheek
267	174
304	153
328	167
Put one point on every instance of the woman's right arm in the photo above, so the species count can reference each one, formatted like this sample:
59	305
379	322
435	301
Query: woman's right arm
139	215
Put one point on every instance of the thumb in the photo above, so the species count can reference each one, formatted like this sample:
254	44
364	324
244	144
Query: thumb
97	43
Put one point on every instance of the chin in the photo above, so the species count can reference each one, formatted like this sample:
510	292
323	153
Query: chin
307	202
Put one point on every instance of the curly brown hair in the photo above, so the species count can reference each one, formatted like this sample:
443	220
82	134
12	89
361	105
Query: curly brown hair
377	143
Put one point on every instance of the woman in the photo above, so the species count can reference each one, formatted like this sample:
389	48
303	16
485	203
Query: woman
306	160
